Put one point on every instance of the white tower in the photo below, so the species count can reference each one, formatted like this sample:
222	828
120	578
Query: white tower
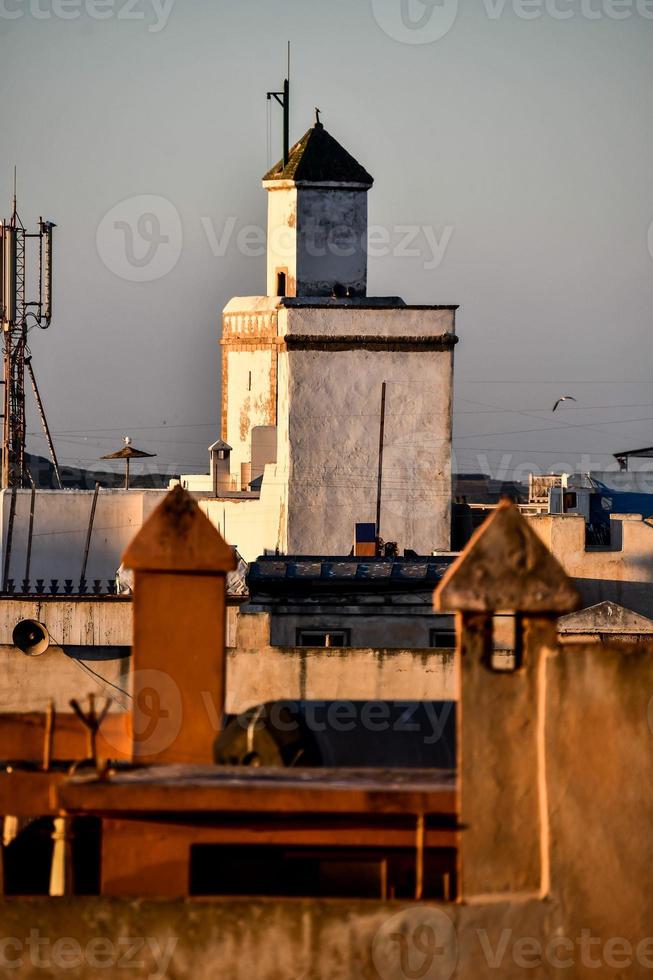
303	369
317	220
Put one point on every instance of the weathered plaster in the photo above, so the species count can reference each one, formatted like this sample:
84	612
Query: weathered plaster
61	520
258	672
622	573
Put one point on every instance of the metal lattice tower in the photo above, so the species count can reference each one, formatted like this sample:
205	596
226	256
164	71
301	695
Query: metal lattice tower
18	316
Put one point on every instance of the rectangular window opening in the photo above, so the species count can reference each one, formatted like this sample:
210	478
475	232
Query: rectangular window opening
324	638
320	872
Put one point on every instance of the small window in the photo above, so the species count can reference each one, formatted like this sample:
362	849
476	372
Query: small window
570	501
323	638
249	381
505	642
442	639
281	283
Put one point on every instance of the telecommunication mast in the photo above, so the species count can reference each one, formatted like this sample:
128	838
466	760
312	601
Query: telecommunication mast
18	316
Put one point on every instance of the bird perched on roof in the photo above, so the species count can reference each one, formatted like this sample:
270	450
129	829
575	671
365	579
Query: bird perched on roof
564	398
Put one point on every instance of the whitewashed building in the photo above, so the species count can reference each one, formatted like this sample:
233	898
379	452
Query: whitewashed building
303	370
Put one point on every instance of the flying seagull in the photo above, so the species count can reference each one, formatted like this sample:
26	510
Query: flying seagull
565	398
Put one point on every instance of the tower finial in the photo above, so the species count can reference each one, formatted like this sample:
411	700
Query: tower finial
317	116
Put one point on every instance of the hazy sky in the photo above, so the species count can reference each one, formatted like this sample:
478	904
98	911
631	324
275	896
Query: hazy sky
517	133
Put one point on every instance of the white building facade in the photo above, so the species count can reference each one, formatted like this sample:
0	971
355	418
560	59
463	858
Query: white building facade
308	363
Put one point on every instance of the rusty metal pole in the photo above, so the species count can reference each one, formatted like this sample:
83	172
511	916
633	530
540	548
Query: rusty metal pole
9	539
30	534
380	474
89	532
178	659
44	422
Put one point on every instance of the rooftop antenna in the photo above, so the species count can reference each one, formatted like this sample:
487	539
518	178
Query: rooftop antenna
17	317
283	98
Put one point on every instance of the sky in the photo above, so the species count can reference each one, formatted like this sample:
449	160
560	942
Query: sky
511	145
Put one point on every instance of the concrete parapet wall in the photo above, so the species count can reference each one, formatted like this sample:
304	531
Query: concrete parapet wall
258	672
241	939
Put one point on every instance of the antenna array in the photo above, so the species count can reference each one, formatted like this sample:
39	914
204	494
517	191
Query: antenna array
17	317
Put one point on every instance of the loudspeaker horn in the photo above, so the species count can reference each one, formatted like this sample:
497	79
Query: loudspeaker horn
31	637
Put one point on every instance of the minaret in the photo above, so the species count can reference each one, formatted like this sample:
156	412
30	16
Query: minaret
317	220
303	372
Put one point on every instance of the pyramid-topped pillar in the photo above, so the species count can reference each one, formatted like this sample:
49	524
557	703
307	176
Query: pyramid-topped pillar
180	563
501	724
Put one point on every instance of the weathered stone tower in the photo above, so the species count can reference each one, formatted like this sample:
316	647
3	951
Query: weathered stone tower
317	220
310	359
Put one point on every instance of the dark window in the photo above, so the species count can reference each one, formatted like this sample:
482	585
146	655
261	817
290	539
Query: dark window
323	638
443	639
321	871
281	283
570	501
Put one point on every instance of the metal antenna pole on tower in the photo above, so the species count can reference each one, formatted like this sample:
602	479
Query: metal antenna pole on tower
283	98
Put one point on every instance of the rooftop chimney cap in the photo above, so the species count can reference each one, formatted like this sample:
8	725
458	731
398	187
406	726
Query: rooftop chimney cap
220	445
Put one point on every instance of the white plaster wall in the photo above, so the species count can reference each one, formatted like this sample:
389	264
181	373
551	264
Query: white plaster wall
247	408
346	320
61	519
282	236
329	425
331	240
334	440
328	405
253	525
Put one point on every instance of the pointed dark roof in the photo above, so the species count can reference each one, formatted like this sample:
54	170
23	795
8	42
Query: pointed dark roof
319	158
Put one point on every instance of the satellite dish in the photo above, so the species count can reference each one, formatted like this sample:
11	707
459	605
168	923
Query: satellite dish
31	637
